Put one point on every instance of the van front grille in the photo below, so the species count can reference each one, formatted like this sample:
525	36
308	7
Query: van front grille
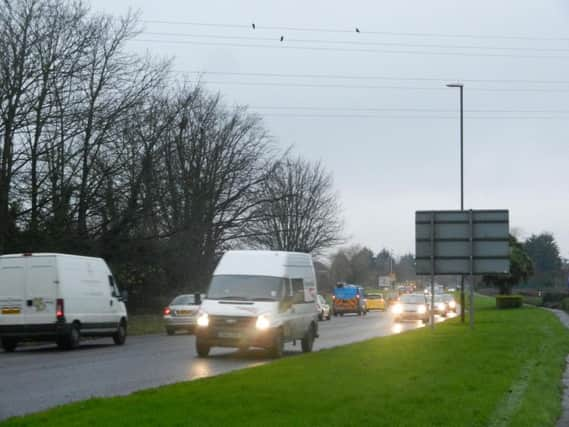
232	322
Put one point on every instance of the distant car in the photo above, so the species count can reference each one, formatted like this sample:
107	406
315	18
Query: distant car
411	307
375	301
181	314
349	299
450	302
441	306
323	307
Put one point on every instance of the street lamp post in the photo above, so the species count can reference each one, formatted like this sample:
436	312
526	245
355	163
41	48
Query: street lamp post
460	86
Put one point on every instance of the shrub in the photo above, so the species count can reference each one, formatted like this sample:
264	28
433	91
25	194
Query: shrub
509	301
553	299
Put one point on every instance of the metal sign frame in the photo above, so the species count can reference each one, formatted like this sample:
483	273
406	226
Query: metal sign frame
473	242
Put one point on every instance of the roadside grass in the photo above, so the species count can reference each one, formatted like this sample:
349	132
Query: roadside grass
538	301
506	372
144	324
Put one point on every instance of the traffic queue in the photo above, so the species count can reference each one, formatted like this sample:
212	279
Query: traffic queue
255	298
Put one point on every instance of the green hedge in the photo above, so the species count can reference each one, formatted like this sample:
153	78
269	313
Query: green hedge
509	301
565	304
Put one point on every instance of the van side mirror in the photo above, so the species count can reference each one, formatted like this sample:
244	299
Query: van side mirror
124	295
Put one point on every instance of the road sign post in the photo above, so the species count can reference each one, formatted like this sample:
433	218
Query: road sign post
474	242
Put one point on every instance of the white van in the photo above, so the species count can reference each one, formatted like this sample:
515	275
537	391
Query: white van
259	299
58	297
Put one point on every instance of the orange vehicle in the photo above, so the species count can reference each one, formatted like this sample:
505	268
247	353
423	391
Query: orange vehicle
349	299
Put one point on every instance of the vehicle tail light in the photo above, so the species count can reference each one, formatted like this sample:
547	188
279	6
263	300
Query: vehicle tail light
333	297
59	309
167	311
357	296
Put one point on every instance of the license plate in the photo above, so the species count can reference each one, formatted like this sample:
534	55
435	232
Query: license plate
10	311
229	335
184	312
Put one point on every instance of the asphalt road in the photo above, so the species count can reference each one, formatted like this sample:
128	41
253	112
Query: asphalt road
36	378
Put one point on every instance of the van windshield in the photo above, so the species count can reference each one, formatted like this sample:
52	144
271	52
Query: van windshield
249	288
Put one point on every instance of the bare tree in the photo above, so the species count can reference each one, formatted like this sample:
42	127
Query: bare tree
299	212
214	161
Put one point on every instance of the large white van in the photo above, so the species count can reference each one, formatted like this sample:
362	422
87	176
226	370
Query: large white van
259	299
58	297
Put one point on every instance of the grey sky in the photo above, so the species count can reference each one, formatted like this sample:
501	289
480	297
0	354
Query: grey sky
386	168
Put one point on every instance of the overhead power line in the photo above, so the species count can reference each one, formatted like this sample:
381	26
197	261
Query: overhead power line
355	42
351	50
351	29
409	117
373	77
413	110
372	87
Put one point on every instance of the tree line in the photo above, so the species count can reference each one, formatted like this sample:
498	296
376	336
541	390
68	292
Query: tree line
105	152
535	263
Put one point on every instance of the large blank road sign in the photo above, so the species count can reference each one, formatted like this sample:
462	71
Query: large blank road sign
462	242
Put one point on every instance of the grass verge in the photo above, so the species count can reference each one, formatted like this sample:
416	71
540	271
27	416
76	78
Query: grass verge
504	373
538	301
144	324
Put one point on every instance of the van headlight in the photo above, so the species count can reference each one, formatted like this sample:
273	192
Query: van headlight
422	309
441	306
203	319
397	309
452	304
263	322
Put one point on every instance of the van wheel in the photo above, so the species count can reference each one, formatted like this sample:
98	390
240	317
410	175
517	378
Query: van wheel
9	344
70	340
277	349
308	341
202	347
119	337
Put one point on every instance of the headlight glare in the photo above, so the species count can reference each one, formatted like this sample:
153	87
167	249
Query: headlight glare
397	309
203	319
263	322
422	309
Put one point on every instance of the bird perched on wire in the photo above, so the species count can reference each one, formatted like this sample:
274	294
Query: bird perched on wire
357	30
253	25
282	38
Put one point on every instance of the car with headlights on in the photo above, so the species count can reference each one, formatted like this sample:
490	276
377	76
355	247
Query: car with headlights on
450	302
181	313
441	307
411	307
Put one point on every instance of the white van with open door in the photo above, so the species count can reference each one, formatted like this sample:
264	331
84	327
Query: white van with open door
58	297
259	299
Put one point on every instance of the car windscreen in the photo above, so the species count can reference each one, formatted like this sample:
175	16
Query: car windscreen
184	300
371	296
248	288
413	299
